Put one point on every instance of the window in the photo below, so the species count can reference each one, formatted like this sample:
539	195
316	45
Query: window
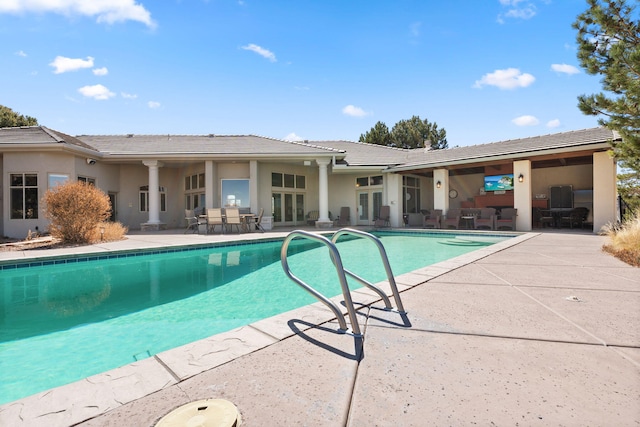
367	181
24	195
194	191
286	180
411	193
57	179
144	199
90	181
235	193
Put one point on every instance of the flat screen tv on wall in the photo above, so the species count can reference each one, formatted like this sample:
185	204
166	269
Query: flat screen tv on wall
498	182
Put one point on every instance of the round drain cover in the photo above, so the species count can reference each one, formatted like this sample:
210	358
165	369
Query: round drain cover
202	413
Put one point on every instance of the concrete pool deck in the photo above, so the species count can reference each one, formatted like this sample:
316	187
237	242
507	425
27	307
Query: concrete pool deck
541	330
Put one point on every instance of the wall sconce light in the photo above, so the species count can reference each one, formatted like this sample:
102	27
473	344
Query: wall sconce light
520	178
438	184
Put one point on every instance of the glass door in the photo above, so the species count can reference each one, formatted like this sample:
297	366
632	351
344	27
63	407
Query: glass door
369	203
287	208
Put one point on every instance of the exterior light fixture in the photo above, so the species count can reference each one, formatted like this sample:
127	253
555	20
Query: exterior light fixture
438	184
520	178
102	233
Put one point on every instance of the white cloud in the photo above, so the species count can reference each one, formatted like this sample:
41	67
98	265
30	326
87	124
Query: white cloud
511	78
293	137
21	53
153	104
564	68
98	92
553	123
63	64
108	11
100	71
261	51
525	121
353	111
516	10
126	95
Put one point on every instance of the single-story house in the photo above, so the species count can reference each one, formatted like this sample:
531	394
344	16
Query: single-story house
152	179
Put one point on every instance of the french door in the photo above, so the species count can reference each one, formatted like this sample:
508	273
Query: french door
287	208
368	203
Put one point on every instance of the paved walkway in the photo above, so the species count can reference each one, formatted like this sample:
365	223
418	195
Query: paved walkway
543	330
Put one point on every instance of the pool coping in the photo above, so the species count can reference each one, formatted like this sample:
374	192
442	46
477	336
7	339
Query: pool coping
98	394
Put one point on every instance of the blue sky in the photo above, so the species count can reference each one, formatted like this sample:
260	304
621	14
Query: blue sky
484	70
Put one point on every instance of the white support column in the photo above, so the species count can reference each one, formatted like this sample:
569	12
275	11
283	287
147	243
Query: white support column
210	182
441	194
154	196
323	194
605	191
253	185
522	194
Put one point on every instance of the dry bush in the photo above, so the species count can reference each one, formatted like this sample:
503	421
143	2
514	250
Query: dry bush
625	240
112	231
75	209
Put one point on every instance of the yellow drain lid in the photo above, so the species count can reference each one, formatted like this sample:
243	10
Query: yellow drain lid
202	413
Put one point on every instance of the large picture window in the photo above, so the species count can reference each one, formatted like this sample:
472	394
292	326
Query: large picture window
24	195
235	193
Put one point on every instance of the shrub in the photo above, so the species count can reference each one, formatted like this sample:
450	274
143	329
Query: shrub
75	209
625	240
108	232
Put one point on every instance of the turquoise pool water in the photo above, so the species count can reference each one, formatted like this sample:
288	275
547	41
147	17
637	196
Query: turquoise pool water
66	321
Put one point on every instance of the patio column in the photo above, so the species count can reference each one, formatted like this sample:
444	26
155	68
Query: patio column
154	196
441	193
210	184
323	194
522	194
605	191
253	185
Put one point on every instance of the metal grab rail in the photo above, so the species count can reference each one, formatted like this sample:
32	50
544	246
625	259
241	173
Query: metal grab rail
337	262
385	261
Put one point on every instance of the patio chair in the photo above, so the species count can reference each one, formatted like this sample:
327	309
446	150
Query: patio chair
233	218
383	217
432	219
259	220
576	217
193	221
486	219
452	220
507	219
214	217
345	216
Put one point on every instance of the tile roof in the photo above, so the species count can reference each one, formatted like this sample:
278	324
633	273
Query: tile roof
361	154
538	145
200	144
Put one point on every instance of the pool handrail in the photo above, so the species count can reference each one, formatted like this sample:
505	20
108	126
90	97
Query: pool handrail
385	261
337	262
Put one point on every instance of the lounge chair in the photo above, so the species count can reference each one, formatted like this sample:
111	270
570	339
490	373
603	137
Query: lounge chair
233	218
432	220
486	219
312	217
345	216
507	219
259	220
452	220
384	216
214	217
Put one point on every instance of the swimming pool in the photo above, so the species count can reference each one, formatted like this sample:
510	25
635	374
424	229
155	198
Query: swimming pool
72	318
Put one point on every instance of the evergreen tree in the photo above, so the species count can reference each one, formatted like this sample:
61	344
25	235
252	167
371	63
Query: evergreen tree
9	118
412	133
609	45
